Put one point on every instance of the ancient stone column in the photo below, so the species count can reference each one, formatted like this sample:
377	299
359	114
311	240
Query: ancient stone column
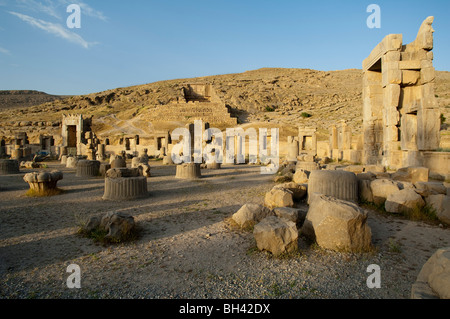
292	149
188	171
64	159
101	152
16	153
71	162
124	184
9	167
339	184
240	149
88	168
44	182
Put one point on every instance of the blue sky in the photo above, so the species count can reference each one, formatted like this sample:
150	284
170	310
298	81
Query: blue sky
124	43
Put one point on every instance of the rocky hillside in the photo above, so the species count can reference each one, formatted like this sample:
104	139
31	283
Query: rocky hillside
25	98
271	96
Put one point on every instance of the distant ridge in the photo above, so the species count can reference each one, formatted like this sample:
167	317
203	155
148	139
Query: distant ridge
11	99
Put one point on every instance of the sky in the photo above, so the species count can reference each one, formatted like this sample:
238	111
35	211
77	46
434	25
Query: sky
125	43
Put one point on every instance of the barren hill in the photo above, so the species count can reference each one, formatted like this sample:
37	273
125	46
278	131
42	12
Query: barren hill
286	98
25	98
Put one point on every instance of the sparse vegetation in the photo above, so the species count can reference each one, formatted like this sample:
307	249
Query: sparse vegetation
50	192
394	247
426	213
305	115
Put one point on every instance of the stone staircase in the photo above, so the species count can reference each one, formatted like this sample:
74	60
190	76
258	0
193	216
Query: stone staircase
211	112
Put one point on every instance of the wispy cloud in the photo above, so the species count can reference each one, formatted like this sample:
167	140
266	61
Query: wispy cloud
86	9
53	28
4	51
57	8
47	7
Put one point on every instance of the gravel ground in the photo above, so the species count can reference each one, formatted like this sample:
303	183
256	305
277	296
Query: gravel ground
187	249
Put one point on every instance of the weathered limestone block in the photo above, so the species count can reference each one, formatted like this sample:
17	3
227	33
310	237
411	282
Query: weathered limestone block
118	225
374	169
299	191
411	174
410	77
43	182
381	189
301	176
357	169
337	224
391	96
88	168
292	151
276	235
433	281
144	170
71	162
307	166
9	167
250	214
279	197
441	204
124	184
295	215
430	188
403	201
339	184
188	171
392	74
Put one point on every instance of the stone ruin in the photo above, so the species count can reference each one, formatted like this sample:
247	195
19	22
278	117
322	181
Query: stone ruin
124	184
73	133
88	168
400	113
195	101
43	183
9	167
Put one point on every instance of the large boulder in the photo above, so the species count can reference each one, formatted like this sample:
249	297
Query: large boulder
339	184
403	201
337	224
299	191
250	214
381	189
279	197
411	174
430	188
301	176
441	204
118	225
433	280
276	235
295	215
